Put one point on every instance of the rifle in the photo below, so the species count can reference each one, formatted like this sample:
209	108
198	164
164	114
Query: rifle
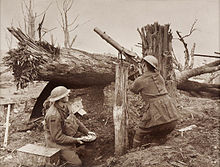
130	56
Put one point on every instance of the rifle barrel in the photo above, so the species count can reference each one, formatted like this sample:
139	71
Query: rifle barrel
127	53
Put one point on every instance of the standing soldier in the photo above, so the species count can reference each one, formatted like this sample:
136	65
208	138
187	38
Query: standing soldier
160	115
60	126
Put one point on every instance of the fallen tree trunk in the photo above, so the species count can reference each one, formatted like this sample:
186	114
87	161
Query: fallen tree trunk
72	67
77	69
207	68
34	60
196	88
200	89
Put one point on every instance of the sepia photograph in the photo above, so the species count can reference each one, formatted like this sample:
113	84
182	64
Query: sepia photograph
109	83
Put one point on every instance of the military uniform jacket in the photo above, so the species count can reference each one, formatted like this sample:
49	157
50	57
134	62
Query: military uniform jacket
60	127
159	107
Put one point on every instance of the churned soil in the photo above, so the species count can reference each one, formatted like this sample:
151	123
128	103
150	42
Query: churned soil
196	147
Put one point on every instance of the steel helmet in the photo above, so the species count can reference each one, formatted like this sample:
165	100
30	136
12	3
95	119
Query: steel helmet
151	60
58	93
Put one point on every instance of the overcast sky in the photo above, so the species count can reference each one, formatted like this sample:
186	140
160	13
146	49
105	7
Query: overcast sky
121	18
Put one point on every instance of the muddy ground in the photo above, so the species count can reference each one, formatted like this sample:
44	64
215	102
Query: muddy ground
198	147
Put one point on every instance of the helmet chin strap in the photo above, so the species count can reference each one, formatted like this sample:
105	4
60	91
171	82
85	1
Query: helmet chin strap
61	104
144	67
62	101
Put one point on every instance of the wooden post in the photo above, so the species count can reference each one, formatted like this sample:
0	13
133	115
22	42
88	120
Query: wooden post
7	126
120	109
10	105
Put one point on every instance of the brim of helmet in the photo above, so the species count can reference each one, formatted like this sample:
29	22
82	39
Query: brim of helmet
51	99
151	64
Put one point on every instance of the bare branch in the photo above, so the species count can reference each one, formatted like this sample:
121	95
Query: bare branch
74	20
24	16
175	61
22	9
192	56
33	4
189	59
62	19
191	30
70	5
52	40
73	40
46	31
25	5
63	5
186	50
79	25
60	24
66	20
61	13
58	6
74	28
45	10
40	27
30	6
67	5
20	25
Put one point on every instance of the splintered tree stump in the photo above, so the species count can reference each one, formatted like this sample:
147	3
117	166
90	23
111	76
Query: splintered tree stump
157	41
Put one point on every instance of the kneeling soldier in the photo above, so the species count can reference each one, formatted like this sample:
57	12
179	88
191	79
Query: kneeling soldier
160	115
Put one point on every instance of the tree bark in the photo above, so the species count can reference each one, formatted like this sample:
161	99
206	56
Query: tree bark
75	67
195	88
200	89
208	68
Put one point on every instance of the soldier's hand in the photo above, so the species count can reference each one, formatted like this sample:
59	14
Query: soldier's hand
79	140
132	67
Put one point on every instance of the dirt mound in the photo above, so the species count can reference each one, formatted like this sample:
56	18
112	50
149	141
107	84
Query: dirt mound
196	147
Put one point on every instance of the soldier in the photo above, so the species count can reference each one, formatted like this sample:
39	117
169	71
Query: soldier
59	131
160	115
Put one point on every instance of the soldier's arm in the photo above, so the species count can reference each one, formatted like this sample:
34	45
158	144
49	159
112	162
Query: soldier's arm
57	134
82	127
136	86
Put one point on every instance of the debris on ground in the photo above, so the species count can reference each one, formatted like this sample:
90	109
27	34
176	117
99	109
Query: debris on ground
199	123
